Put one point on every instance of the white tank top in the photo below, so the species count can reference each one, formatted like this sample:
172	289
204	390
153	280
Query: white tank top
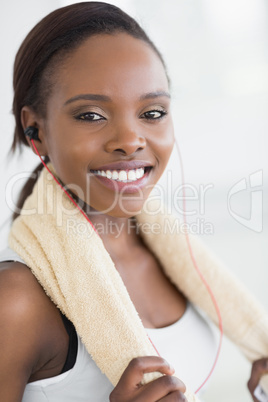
189	345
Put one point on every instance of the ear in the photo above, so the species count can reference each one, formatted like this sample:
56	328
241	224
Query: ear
30	118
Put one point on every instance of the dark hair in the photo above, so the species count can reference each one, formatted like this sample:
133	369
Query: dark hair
47	43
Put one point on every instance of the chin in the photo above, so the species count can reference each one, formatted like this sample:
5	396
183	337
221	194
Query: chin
125	212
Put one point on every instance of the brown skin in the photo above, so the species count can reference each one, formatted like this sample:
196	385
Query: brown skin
121	134
123	69
259	368
33	339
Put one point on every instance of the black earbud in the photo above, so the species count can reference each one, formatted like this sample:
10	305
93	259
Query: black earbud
32	133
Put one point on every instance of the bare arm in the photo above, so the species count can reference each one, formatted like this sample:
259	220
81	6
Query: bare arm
22	337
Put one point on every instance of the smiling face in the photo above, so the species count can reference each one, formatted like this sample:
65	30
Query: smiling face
108	129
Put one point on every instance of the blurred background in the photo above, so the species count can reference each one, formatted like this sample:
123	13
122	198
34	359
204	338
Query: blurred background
217	57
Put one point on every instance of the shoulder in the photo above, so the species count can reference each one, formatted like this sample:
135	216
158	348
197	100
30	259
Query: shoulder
20	291
15	273
22	299
25	315
26	337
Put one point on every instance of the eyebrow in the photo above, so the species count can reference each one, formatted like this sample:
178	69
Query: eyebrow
104	98
152	95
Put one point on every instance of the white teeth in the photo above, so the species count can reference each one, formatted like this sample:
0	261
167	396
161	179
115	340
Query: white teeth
139	173
108	174
122	175
131	175
115	175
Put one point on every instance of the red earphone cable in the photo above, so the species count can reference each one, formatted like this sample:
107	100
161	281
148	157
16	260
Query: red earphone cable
189	247
200	274
66	192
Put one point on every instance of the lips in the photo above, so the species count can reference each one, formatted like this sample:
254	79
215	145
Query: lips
129	176
124	165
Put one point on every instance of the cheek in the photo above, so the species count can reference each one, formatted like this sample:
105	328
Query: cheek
162	145
69	155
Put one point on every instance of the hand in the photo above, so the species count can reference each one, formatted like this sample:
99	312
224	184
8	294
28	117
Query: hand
259	368
164	389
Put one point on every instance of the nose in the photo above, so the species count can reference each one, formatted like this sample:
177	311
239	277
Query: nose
125	140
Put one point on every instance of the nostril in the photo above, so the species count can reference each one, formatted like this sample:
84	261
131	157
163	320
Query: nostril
120	150
124	148
125	152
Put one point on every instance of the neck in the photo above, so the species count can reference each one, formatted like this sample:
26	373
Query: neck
117	234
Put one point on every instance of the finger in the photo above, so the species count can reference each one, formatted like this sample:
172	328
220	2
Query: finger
259	368
162	387
133	374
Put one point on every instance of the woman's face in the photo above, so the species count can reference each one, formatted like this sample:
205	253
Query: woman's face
108	128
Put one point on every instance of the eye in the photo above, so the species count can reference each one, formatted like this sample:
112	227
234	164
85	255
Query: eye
154	114
89	116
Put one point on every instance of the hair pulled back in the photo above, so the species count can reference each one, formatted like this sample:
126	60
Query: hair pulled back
56	35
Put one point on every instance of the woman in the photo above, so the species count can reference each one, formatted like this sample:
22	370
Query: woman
91	95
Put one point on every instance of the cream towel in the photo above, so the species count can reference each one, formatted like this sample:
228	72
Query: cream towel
69	260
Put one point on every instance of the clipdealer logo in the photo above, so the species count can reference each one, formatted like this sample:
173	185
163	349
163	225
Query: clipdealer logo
252	188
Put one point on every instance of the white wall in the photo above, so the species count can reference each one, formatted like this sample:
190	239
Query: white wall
217	56
16	19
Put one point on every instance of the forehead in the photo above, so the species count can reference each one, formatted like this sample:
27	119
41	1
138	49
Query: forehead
117	65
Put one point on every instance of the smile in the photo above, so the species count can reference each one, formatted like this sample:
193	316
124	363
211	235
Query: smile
124	176
129	179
